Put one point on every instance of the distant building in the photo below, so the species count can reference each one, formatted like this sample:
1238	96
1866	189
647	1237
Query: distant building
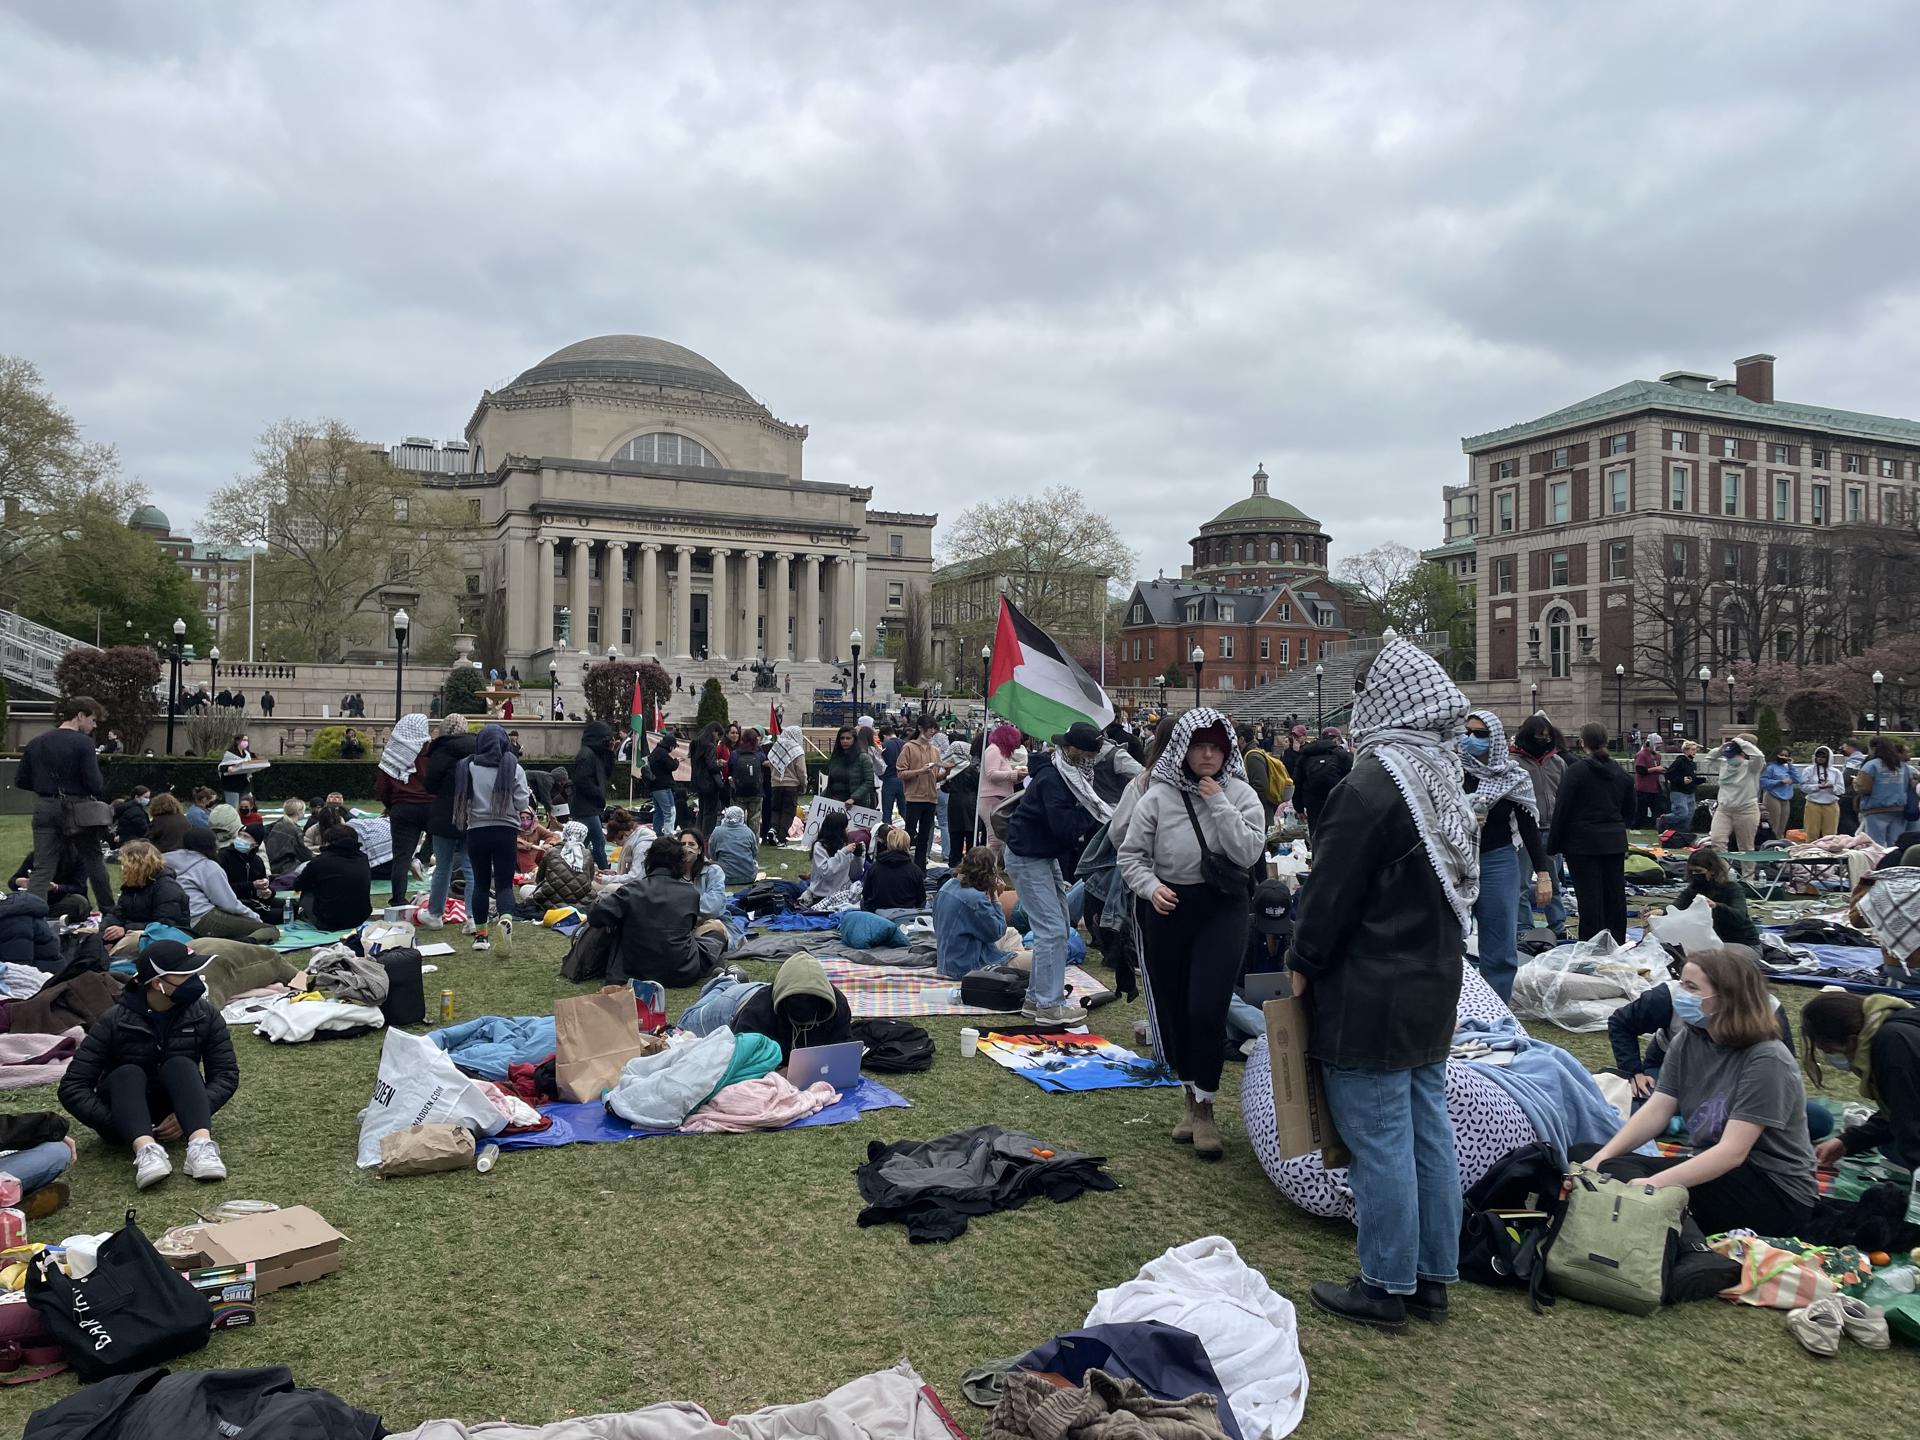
218	570
966	604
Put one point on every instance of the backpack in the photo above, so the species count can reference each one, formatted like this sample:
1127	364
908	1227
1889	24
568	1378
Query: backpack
893	1046
1507	1215
588	954
1265	777
1307	772
994	987
1614	1241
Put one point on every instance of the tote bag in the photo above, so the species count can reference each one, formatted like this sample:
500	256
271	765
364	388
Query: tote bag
133	1311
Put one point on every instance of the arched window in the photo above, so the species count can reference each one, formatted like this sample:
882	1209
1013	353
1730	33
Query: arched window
1249	550
1273	550
1559	622
1732	633
665	448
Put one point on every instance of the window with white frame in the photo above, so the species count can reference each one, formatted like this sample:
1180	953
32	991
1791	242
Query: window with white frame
1889	470
1559	643
896	594
1618	444
1819	459
1560	457
1226	612
1729	449
1503	575
1856	505
1284	610
1852	465
1503	505
1676	440
1782	454
1559	502
1266	648
664	448
1817	510
1617	559
896	546
1619	490
1678	477
1503	470
1730	492
1557	568
1226	647
1782	497
1286	647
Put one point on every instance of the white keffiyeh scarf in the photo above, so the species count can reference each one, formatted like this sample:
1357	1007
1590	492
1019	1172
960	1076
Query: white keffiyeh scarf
1411	717
573	847
1499	776
403	746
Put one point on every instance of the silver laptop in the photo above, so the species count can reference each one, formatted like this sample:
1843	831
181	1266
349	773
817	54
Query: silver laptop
838	1065
1265	985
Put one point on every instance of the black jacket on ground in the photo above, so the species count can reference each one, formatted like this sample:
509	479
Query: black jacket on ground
590	770
1594	806
894	882
341	883
1374	935
263	1402
26	932
1320	765
161	901
28	1128
443	758
933	1186
652	920
132	1034
1049	823
1894	1128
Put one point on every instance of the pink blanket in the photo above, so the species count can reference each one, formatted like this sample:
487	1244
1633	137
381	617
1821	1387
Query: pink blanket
763	1104
28	1060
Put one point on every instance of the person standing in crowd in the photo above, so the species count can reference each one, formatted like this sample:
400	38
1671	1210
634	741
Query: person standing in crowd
1536	750
787	777
709	778
1737	1089
1501	795
490	790
62	771
1736	809
918	767
998	779
216	911
745	768
892	787
1590	818
1882	791
267	703
1822	783
156	1067
167	822
1321	765
352	747
1190	846
238	781
661	765
1875	1039
1647	777
451	749
401	786
1777	783
1683	782
1852	758
1261	768
849	770
587	802
1050	825
963	796
1377	956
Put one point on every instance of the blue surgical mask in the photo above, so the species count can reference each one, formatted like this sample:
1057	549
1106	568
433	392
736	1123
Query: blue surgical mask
1835	1061
1687	1006
243	843
1476	745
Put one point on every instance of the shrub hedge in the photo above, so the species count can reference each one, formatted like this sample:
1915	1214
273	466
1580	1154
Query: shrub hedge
285	780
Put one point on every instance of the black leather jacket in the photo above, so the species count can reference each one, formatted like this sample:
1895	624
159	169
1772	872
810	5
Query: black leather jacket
1374	935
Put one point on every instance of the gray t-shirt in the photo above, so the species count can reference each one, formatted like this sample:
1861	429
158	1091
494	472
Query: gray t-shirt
1713	1084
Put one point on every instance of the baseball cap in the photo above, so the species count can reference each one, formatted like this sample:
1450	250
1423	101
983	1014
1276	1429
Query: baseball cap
1273	908
168	957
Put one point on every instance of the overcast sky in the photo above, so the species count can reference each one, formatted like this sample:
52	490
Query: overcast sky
978	248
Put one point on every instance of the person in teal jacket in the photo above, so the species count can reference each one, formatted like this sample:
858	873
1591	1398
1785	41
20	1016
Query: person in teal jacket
1777	784
970	915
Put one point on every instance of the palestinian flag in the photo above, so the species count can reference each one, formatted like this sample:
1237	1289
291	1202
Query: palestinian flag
1036	685
637	713
773	720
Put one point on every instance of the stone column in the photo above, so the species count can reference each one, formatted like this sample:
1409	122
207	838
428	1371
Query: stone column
646	633
613	596
749	646
810	609
860	611
543	594
582	549
780	606
717	605
682	606
843	616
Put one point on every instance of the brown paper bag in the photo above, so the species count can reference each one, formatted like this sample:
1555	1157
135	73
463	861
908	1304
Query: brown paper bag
594	1036
425	1150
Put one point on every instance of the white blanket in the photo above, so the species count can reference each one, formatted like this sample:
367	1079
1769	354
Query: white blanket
658	1092
1247	1330
290	1021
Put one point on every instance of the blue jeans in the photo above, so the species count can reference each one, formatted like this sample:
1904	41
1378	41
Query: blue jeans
1556	911
596	837
38	1165
719	1001
662	811
1885	827
1245	1021
1679	810
1042	897
1405	1174
445	848
893	795
1495	916
946	826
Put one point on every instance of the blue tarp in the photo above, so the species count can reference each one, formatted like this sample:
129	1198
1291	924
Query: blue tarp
591	1124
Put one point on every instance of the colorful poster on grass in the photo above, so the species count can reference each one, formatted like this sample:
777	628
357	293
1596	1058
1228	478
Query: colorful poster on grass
1066	1062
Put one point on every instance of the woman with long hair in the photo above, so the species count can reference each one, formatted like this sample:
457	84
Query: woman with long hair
238	782
1590	829
1875	1039
998	778
702	871
849	769
1883	787
1822	783
490	791
835	859
709	777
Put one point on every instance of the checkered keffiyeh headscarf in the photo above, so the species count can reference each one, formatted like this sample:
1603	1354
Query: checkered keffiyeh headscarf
1171	768
1891	908
1411	717
1499	776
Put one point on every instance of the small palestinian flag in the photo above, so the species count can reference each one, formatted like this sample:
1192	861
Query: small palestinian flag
1036	684
773	720
637	715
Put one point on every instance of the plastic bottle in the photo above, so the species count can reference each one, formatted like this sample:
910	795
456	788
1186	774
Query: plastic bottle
483	1162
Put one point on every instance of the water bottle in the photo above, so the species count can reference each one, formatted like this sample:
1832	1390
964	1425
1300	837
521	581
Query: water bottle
483	1162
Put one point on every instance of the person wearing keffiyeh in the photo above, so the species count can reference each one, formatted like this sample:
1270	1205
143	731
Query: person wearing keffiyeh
1376	955
1501	794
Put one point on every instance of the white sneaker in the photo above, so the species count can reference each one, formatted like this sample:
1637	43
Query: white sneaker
151	1166
480	941
204	1162
427	920
1864	1324
506	931
1818	1327
466	927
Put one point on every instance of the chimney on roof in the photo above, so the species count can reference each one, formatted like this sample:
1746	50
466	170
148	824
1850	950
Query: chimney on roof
1260	479
1753	378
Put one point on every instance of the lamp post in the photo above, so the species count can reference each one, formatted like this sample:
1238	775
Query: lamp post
566	627
1732	719
1703	677
1533	698
173	680
553	682
853	645
213	659
1620	703
986	661
1199	659
1319	697
1878	681
402	625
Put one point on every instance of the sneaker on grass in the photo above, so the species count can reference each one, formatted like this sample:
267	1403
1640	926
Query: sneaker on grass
203	1160
151	1166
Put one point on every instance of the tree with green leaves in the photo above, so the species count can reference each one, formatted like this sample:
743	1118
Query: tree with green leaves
125	680
713	706
114	583
460	692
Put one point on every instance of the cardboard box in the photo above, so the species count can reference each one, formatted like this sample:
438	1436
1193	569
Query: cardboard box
1301	1117
286	1247
230	1290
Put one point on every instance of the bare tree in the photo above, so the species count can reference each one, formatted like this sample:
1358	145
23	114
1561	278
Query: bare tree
1672	610
916	637
1052	551
1375	575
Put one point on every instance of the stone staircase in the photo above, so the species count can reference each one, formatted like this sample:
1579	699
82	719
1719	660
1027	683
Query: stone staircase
1297	693
30	653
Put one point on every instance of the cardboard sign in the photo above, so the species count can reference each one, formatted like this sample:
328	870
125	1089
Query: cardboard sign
1301	1118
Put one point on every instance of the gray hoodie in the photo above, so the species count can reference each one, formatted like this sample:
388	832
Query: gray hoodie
1160	848
480	807
205	883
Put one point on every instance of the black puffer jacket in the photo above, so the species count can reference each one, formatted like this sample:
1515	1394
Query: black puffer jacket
133	1034
1374	935
1318	767
26	933
590	770
894	882
443	757
1591	812
161	901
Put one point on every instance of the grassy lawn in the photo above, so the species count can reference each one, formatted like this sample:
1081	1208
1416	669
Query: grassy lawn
728	1269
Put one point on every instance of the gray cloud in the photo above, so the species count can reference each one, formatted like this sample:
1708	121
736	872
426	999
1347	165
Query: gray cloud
977	248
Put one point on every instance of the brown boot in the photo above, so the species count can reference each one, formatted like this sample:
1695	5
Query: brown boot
1183	1132
1206	1136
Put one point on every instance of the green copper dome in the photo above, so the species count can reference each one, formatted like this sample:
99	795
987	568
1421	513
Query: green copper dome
1260	506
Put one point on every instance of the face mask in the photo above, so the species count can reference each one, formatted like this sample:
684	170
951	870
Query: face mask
145	801
243	843
1687	1006
1476	745
1536	745
1836	1062
526	822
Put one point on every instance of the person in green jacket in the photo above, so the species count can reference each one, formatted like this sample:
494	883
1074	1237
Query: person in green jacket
850	770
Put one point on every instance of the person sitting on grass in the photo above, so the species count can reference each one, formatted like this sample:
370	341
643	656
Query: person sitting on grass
167	822
148	895
1710	879
532	842
894	881
709	877
67	895
130	820
735	846
201	809
970	915
565	874
336	886
1737	1089
1875	1039
801	1008
653	921
621	823
287	845
36	1150
245	866
217	912
835	861
156	1067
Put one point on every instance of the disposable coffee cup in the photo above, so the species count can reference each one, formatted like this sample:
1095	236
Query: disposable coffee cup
969	1041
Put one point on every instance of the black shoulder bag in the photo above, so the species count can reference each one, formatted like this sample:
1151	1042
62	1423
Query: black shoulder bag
133	1311
1221	873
